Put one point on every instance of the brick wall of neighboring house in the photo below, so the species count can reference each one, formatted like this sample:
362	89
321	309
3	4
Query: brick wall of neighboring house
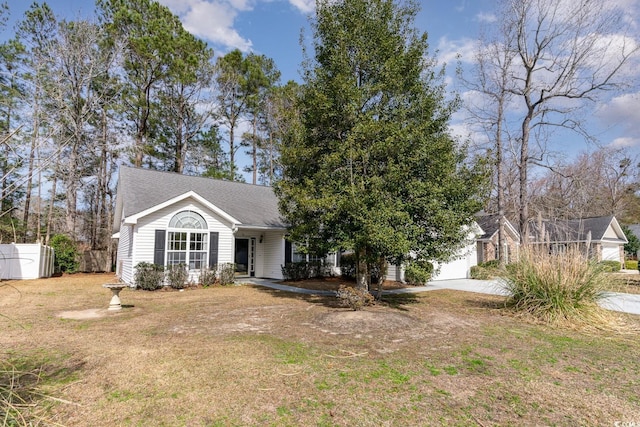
597	251
489	249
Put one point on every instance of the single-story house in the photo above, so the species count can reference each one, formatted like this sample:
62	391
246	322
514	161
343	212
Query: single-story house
603	234
167	218
487	244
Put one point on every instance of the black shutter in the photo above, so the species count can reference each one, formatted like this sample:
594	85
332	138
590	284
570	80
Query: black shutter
213	249
158	249
338	256
287	252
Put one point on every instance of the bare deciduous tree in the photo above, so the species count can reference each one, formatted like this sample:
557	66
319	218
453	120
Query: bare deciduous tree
557	55
599	183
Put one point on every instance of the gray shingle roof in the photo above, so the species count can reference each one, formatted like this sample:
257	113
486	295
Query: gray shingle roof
141	189
572	230
490	223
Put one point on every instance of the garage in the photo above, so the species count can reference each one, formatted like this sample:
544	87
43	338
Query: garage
611	252
458	268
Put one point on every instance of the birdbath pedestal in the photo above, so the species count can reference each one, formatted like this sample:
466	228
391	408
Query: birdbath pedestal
115	299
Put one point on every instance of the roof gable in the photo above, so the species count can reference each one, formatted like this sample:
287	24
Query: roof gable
603	228
142	191
490	223
133	219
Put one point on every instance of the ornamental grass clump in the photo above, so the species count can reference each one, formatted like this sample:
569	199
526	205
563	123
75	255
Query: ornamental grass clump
560	288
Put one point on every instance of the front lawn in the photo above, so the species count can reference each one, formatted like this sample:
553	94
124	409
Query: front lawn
246	355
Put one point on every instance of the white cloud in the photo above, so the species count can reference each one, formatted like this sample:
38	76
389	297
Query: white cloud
623	109
304	6
212	20
625	142
622	112
453	50
488	18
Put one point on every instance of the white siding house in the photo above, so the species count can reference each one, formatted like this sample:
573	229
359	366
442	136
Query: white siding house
169	219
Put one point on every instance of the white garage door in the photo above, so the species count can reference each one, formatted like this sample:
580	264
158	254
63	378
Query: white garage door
611	252
458	268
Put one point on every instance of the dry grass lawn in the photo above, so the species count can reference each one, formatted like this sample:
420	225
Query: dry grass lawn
245	355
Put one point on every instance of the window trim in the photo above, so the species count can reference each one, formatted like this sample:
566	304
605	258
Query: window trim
196	233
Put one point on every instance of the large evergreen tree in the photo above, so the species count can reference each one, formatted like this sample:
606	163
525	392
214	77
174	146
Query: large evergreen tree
375	169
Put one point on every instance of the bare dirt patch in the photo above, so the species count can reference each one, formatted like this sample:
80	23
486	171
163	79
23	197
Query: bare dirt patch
246	355
91	313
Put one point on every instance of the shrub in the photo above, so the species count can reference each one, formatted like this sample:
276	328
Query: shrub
478	272
555	287
177	276
148	276
208	277
487	270
65	254
631	264
348	266
610	266
226	273
354	298
494	263
296	270
302	270
418	272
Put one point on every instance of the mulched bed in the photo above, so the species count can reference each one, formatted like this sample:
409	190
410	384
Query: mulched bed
333	283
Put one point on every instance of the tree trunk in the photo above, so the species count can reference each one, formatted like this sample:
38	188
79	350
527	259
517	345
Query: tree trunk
362	282
51	207
382	267
502	252
32	150
524	189
232	157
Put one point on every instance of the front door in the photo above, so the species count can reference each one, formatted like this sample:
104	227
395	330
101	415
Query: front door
242	257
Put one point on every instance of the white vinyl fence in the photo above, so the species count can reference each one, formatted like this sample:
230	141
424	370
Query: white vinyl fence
25	261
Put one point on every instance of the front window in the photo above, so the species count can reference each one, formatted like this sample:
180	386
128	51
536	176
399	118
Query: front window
189	244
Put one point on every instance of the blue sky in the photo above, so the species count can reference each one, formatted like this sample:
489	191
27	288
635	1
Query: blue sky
272	28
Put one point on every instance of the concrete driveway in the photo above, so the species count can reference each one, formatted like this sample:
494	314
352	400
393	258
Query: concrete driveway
626	303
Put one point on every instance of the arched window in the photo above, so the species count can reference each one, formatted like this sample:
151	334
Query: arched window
187	240
188	219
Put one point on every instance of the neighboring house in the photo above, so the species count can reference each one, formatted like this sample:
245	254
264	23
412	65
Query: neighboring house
604	236
488	243
167	218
